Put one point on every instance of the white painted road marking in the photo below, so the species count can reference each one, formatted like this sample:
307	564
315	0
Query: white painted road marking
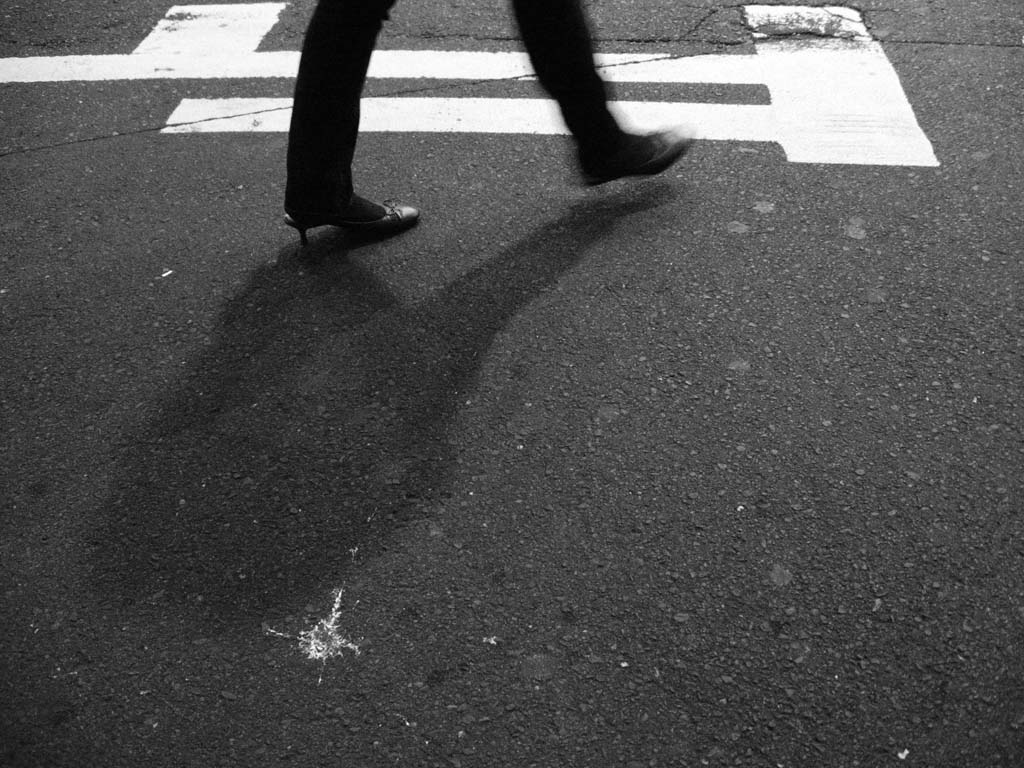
199	30
835	97
466	115
191	41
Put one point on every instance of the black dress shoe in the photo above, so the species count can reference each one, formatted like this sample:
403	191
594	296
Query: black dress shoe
643	155
396	218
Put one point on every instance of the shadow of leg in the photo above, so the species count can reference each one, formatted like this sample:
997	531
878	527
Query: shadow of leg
316	422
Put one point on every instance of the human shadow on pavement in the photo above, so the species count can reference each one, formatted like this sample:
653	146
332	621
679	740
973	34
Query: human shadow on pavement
317	420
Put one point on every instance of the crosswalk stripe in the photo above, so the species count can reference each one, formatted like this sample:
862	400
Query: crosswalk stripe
386	64
835	97
468	115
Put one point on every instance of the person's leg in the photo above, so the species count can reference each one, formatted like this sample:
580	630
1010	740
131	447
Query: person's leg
557	38
325	114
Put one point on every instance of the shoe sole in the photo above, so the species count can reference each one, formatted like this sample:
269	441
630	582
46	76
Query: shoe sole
384	226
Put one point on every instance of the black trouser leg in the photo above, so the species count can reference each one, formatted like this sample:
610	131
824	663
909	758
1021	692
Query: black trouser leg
332	71
325	113
557	38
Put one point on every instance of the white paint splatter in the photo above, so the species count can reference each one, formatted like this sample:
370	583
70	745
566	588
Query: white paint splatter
323	641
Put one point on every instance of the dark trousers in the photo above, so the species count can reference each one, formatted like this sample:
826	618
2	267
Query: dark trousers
332	70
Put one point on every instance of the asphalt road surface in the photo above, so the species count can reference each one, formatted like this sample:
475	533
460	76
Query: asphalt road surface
718	468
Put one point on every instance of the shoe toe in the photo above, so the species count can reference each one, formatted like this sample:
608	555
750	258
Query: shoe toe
403	212
670	145
644	155
399	216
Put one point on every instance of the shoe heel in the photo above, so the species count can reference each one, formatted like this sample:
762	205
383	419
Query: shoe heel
295	225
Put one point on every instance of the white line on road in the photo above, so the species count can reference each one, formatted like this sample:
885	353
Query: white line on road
469	115
218	30
835	97
386	64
